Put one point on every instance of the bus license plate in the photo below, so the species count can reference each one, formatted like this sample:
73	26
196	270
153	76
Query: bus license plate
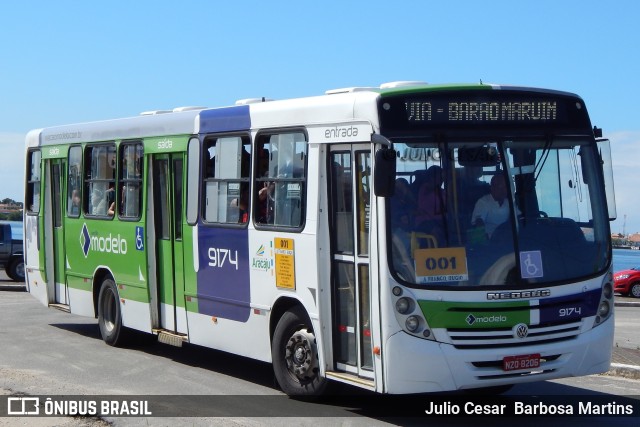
523	361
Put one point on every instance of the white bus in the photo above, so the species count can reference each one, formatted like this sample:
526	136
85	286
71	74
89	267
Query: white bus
353	236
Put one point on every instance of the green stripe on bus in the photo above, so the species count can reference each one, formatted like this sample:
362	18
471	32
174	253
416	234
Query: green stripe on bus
442	314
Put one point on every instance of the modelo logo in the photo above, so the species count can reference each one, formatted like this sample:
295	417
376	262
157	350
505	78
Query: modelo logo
104	244
471	319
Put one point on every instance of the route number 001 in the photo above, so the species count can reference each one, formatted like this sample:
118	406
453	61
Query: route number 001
441	263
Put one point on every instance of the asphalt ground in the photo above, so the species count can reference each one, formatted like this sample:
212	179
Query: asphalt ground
625	362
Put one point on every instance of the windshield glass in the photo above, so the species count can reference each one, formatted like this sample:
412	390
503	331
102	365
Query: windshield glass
496	213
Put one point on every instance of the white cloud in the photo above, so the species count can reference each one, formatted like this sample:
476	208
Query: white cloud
12	161
625	153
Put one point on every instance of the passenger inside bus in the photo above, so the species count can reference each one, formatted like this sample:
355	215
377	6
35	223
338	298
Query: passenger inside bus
492	209
98	203
239	206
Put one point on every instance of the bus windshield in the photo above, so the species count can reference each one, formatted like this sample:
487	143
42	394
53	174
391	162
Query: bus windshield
496	213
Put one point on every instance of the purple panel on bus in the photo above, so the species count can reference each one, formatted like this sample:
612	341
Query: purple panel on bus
225	119
223	277
570	308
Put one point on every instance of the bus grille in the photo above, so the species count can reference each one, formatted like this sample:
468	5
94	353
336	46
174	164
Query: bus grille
503	337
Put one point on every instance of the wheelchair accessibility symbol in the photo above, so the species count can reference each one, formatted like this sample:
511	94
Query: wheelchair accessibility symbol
531	264
139	238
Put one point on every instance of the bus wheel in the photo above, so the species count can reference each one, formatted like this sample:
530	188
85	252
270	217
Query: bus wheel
295	356
109	315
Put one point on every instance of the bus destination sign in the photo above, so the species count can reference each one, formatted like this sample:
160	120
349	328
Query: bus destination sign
473	111
477	109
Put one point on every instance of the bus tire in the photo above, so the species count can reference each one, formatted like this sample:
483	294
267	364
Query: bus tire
15	269
109	314
295	356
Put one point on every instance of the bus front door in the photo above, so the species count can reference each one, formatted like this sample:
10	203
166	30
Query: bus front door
168	297
351	294
54	233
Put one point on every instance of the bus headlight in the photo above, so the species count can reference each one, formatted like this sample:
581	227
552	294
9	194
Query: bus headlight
604	309
412	323
409	314
403	305
607	291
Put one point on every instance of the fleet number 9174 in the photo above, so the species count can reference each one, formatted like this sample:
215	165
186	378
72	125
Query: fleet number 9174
565	312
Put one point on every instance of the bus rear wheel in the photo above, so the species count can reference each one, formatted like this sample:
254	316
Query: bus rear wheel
295	356
109	314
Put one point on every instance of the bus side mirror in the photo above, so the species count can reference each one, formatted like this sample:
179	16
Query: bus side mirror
384	178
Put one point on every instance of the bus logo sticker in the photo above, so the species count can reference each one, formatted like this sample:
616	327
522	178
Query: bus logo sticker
531	264
486	319
261	261
85	240
140	238
471	319
105	244
520	331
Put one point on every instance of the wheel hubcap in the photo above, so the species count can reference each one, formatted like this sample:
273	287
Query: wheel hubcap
300	353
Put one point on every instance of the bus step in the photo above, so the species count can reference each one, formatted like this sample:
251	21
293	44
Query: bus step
171	338
352	379
61	307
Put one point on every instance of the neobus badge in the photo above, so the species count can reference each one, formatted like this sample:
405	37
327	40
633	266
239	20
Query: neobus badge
519	294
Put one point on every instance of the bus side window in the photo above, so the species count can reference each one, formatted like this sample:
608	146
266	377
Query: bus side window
99	179
227	164
33	182
281	179
74	182
130	183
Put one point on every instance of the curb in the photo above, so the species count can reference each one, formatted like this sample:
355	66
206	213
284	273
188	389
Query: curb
626	371
626	304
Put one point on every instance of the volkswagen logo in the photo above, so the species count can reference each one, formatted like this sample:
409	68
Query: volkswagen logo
520	331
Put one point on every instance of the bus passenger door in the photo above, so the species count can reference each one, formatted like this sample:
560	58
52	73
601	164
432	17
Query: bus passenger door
56	271
167	200
350	198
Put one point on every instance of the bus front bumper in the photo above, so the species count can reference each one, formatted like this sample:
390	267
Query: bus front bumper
413	365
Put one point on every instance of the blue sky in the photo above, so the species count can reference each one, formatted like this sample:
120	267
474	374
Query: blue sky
74	61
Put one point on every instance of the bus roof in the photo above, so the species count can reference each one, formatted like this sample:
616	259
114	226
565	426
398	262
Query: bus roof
147	125
337	105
